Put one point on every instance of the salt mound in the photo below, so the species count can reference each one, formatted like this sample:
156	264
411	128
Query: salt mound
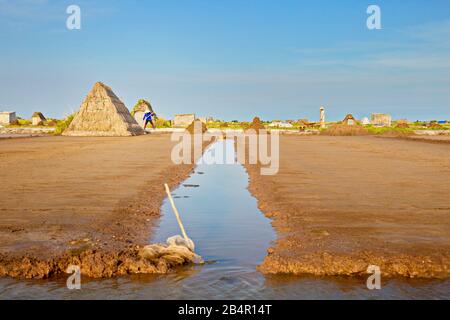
196	125
434	125
256	125
103	114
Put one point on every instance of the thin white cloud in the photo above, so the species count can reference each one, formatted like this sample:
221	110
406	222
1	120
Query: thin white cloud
424	47
415	62
437	32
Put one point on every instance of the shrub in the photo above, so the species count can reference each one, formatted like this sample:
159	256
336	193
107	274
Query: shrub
163	123
23	122
389	130
62	125
51	123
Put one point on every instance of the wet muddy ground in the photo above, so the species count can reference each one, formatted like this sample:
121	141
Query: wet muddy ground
232	235
61	196
339	204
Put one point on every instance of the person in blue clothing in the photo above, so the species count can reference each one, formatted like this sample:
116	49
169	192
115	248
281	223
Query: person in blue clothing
148	117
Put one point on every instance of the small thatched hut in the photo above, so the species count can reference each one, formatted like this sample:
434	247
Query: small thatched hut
349	120
37	119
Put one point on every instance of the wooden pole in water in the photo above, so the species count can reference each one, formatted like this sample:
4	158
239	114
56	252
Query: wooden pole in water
177	215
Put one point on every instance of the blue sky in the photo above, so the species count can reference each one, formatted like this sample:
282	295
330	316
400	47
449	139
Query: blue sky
230	59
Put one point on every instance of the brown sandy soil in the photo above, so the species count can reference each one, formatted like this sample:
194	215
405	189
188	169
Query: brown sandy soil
433	139
86	201
340	204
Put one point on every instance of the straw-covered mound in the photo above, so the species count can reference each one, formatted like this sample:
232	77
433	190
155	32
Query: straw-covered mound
195	127
345	130
434	125
398	133
256	125
103	114
402	125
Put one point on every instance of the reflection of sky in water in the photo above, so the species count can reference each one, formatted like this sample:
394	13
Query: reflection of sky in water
232	235
220	215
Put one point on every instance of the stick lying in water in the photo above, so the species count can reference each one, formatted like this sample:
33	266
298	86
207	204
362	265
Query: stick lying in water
177	215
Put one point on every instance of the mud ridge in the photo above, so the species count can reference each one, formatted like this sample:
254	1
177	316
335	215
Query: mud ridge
306	245
110	249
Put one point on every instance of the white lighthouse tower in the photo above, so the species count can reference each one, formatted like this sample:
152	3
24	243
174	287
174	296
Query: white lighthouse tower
322	117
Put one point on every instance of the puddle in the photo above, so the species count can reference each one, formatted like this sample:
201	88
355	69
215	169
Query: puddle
232	235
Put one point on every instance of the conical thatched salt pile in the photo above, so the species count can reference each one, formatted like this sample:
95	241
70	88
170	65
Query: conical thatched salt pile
197	126
103	114
256	126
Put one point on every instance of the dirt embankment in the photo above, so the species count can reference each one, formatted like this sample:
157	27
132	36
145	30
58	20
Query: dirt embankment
84	201
425	138
340	204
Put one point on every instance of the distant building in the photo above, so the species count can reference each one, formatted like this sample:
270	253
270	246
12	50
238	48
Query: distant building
365	121
37	119
381	119
280	124
7	117
183	120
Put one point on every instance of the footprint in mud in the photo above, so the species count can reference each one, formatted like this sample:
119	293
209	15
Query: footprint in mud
191	185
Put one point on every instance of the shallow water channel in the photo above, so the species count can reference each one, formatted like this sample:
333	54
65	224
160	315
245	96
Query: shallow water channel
232	236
